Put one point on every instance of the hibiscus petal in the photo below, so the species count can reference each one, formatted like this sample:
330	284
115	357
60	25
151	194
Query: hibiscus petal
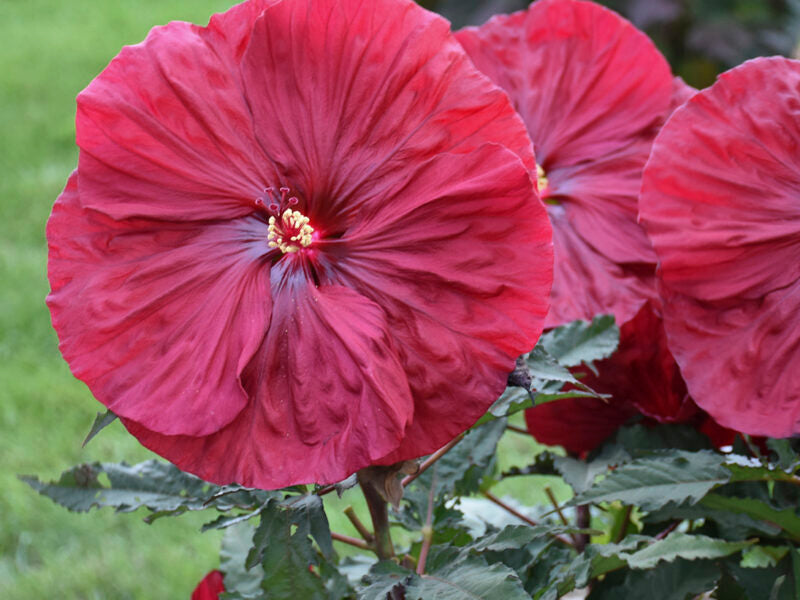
211	586
329	396
460	258
158	319
590	283
593	91
578	424
585	80
720	202
372	87
643	372
165	130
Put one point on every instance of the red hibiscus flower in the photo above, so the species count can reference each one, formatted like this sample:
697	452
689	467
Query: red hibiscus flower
641	377
299	241
210	587
721	203
593	91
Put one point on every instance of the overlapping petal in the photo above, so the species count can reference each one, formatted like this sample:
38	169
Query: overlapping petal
346	100
721	202
462	266
644	373
388	330
328	395
593	92
579	425
641	378
166	132
159	319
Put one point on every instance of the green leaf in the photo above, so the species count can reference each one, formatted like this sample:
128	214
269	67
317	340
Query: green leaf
787	458
681	545
730	526
156	485
758	584
786	519
581	342
460	471
758	557
677	580
308	511
744	468
468	579
225	521
287	558
236	543
580	474
544	367
382	578
650	483
101	421
639	440
516	536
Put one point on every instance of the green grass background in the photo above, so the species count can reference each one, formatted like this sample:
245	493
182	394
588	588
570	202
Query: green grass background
49	51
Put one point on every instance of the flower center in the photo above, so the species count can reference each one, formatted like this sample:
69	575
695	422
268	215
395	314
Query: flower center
289	230
544	189
542	180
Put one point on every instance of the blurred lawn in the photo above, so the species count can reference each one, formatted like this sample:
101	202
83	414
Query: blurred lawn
49	51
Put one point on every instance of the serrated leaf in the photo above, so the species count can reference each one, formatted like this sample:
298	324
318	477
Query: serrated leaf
581	342
745	468
156	485
786	519
679	580
516	536
580	474
225	521
544	367
470	579
651	483
236	543
287	558
382	578
101	421
309	511
681	545
459	472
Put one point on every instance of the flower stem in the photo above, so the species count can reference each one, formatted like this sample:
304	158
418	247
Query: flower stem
379	512
427	530
623	528
431	460
522	517
672	527
554	502
583	521
346	539
516	429
360	527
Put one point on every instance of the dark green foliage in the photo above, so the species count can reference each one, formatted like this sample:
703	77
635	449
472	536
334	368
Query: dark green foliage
676	580
651	483
158	486
469	578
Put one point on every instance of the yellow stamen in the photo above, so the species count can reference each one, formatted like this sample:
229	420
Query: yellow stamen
292	225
